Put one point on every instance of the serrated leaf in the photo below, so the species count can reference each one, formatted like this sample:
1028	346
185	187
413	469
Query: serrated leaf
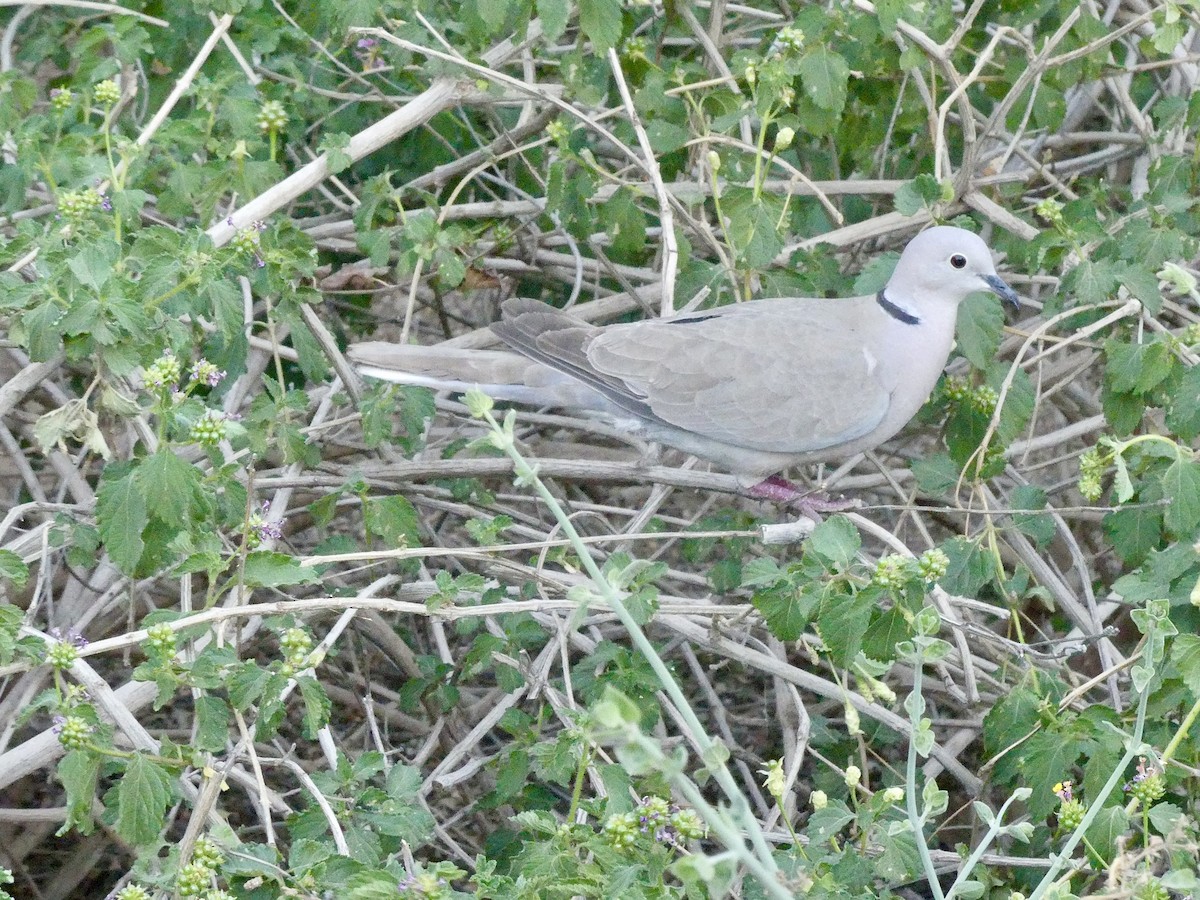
1181	485
13	568
1123	490
316	706
336	148
836	540
1136	368
825	76
92	264
936	474
786	609
843	622
554	15
78	772
980	329
600	20
121	516
212	723
920	193
1039	526
881	637
1185	655
1134	532
266	568
970	567
1183	411
394	520
752	223
1107	830
875	274
1092	281
169	485
762	571
143	794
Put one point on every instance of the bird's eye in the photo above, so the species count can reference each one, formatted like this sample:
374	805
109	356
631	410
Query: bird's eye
958	261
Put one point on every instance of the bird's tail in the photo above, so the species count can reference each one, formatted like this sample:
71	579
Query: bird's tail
498	373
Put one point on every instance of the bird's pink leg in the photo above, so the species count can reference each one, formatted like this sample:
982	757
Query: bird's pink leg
780	490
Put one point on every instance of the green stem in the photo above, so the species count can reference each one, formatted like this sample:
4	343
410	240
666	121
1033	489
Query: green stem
761	863
910	789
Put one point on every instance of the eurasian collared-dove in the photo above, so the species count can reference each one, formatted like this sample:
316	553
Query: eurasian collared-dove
754	387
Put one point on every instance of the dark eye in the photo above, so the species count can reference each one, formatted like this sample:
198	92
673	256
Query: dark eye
958	261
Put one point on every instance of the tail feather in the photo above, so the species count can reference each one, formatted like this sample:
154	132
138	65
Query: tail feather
498	373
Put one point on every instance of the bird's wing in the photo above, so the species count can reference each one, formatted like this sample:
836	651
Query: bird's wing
786	376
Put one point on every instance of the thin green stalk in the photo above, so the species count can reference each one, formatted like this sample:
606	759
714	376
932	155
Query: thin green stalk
910	792
763	864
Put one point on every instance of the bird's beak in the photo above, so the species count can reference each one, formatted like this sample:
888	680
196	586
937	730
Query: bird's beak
1000	288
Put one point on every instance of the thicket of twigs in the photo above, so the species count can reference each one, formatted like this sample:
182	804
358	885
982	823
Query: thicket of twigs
268	629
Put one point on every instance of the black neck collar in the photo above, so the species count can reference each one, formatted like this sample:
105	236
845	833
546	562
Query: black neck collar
896	312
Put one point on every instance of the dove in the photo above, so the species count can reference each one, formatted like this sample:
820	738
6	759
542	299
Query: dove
754	387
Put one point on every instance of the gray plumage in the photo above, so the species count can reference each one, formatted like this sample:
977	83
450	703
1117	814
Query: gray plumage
754	387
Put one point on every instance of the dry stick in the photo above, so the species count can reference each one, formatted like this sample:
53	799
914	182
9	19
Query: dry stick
713	54
718	643
441	94
1080	615
666	217
114	8
941	155
181	85
1033	72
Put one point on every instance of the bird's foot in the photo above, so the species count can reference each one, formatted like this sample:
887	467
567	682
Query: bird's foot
813	504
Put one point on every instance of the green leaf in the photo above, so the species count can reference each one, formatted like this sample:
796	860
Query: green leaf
13	568
787	609
169	485
881	637
1185	655
1181	485
875	274
936	474
753	226
78	771
1092	281
836	540
600	20
93	264
265	568
394	520
316	706
1134	532
212	723
843	622
246	684
980	329
900	860
1136	368
1040	763
554	15
1183	411
336	149
825	76
922	192
1038	526
121	515
371	884
1107	830
143	794
971	567
825	824
762	571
